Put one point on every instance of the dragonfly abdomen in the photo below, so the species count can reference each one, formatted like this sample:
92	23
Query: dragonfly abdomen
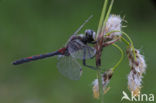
37	57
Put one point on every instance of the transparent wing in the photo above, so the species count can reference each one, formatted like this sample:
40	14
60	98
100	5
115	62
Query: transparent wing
79	50
69	67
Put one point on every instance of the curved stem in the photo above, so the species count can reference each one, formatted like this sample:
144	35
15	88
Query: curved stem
122	56
124	40
131	44
130	40
128	37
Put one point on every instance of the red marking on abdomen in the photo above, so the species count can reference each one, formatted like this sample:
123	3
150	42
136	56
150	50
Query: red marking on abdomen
62	50
29	57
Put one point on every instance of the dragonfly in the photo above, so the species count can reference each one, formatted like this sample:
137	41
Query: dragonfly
76	48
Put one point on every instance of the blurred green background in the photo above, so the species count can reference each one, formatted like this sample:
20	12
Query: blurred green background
30	27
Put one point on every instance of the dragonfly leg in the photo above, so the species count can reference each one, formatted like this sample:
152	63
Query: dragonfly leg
91	67
93	42
84	61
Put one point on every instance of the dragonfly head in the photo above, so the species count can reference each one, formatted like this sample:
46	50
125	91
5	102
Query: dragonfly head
90	35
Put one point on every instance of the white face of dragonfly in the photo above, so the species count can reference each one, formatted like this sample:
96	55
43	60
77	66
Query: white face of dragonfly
94	36
90	34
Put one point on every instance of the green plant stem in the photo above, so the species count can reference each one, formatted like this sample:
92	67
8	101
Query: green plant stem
124	40
102	16
122	56
107	15
101	26
103	13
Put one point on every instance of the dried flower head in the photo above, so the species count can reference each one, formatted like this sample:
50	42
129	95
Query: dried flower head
105	80
138	67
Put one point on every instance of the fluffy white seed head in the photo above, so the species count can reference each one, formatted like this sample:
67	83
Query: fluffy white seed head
95	88
134	82
142	64
138	67
139	63
105	80
113	24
